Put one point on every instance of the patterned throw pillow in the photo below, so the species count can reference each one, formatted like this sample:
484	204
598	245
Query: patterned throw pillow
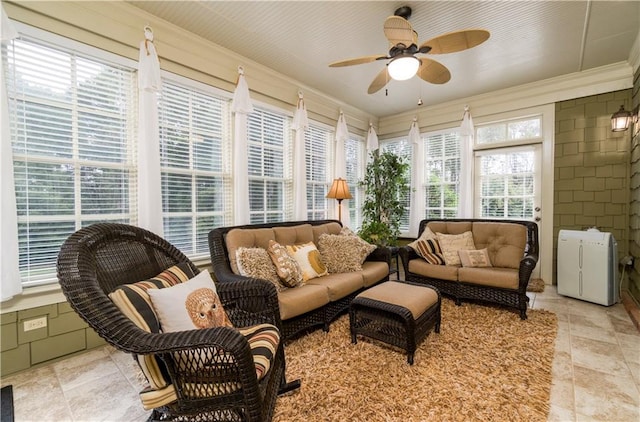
287	268
343	253
429	250
190	305
475	258
452	243
426	234
256	262
308	258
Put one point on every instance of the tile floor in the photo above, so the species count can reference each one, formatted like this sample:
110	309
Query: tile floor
596	373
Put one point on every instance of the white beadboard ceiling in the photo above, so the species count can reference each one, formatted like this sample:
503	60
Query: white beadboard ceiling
530	41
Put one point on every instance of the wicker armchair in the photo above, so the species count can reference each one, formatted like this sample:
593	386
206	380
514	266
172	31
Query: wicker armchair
97	259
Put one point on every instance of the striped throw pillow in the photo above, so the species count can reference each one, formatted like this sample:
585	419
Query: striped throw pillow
429	250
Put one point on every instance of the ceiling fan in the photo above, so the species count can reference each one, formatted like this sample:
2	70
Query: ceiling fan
403	63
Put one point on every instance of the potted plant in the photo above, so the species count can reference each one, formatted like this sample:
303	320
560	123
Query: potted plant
386	184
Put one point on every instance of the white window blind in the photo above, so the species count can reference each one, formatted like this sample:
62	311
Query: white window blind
317	161
195	164
442	174
402	148
269	155
72	128
354	153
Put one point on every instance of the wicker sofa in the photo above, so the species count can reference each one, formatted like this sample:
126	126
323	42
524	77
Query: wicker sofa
320	300
512	247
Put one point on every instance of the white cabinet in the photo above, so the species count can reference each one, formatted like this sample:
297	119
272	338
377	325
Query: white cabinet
587	266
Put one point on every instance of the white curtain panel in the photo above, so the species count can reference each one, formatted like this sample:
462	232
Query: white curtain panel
342	135
299	125
467	132
241	106
149	176
417	195
372	139
10	283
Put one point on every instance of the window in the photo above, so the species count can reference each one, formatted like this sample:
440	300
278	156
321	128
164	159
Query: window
442	174
72	113
510	130
402	149
354	152
195	163
317	141
270	184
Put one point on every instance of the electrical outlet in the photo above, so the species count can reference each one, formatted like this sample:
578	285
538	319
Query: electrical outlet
34	324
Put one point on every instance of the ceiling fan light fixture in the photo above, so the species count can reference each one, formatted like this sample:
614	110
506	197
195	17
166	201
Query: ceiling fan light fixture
403	68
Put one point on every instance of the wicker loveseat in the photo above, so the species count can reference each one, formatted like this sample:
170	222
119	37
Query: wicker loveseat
320	300
512	247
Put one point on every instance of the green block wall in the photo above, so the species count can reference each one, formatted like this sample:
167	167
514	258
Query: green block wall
592	167
65	334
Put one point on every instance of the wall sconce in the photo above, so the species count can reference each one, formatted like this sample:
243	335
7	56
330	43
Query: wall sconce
339	190
620	120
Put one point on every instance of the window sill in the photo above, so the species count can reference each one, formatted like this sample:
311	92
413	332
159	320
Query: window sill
33	297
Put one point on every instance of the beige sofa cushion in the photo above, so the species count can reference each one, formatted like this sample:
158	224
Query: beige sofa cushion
248	238
293	234
374	271
448	227
299	300
443	272
505	242
491	276
339	285
328	228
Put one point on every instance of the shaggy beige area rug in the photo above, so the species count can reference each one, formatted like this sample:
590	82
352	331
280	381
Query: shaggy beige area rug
485	365
536	285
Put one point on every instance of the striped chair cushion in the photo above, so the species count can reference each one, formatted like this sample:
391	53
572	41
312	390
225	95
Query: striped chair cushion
263	340
133	300
430	250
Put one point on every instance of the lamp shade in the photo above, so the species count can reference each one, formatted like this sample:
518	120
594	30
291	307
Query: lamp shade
339	190
620	120
403	67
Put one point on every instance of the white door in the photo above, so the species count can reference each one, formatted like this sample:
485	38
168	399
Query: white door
508	185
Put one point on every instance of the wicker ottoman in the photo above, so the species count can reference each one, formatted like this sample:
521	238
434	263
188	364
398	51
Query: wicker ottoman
397	313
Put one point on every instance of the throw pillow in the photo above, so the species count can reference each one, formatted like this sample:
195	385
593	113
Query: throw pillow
343	253
346	231
308	258
429	250
452	243
256	262
475	258
426	234
190	305
287	268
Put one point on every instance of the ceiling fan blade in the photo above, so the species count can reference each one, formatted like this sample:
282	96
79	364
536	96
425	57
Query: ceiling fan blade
433	72
358	60
456	41
398	30
379	82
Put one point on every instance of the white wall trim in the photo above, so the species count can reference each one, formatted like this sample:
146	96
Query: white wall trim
600	80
